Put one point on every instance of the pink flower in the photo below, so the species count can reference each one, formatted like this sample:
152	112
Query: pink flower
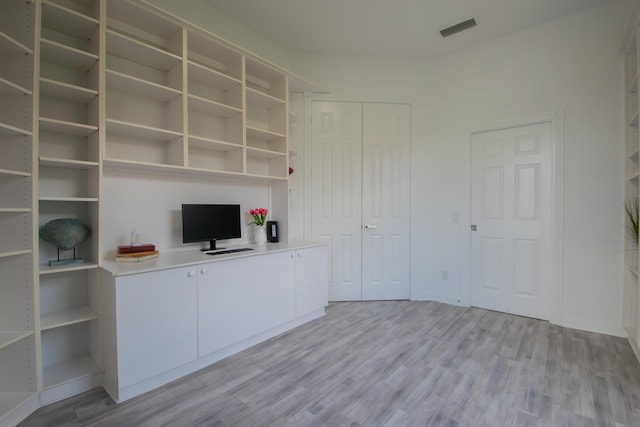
259	216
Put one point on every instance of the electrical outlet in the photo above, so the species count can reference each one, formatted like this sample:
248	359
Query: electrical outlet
445	275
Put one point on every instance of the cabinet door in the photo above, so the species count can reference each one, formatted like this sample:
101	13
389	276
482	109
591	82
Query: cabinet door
238	299
157	324
312	282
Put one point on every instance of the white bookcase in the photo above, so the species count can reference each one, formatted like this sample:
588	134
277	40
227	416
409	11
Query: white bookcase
18	323
69	187
631	291
92	84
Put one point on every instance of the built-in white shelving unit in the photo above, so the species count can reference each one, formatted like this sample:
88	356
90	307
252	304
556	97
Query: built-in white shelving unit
18	323
631	281
69	187
92	84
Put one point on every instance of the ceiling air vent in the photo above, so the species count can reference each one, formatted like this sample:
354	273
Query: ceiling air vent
454	29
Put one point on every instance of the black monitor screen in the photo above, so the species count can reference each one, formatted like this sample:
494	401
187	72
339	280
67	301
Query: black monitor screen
201	223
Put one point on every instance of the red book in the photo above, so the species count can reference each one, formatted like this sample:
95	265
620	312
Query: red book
129	249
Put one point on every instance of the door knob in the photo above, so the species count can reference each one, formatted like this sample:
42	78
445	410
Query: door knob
370	227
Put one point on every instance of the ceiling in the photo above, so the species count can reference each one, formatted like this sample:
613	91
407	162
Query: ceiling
395	28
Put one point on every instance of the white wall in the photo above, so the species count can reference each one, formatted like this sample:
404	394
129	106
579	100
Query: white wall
571	65
152	205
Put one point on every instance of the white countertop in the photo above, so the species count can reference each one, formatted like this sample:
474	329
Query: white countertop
173	258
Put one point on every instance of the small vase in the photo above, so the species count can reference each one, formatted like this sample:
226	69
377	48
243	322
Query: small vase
260	235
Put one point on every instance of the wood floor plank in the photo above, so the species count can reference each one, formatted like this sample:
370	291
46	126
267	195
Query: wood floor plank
392	363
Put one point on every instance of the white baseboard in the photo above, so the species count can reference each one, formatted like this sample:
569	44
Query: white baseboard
446	299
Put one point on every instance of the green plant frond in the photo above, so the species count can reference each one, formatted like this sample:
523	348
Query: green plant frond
632	210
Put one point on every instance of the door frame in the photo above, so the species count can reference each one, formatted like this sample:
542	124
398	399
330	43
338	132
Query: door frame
308	98
556	119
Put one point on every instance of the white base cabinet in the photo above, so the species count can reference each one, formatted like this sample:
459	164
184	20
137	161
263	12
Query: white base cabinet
312	294
238	299
153	327
162	324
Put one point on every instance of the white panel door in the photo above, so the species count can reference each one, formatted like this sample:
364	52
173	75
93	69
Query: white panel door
361	177
336	193
386	201
511	211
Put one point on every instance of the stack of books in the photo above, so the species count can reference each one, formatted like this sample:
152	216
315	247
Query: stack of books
136	253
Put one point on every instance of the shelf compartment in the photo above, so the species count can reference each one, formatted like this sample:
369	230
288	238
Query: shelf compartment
61	126
277	145
70	148
17	58
67	297
68	21
72	180
207	127
208	54
8	87
269	115
262	163
128	141
255	97
15	190
68	353
15	228
263	154
263	78
11	254
145	113
211	77
214	86
211	108
136	22
69	370
17	370
85	210
263	134
16	114
45	269
124	83
215	156
140	131
10	337
16	296
11	400
7	129
135	51
66	163
77	113
11	46
66	91
67	317
59	53
8	172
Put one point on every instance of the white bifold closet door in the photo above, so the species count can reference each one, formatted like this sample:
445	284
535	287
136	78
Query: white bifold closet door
361	197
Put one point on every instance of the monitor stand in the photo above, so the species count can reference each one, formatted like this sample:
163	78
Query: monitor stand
212	246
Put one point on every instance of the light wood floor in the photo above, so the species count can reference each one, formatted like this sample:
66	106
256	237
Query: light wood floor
393	363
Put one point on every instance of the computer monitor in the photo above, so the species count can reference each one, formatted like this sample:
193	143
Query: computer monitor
210	222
